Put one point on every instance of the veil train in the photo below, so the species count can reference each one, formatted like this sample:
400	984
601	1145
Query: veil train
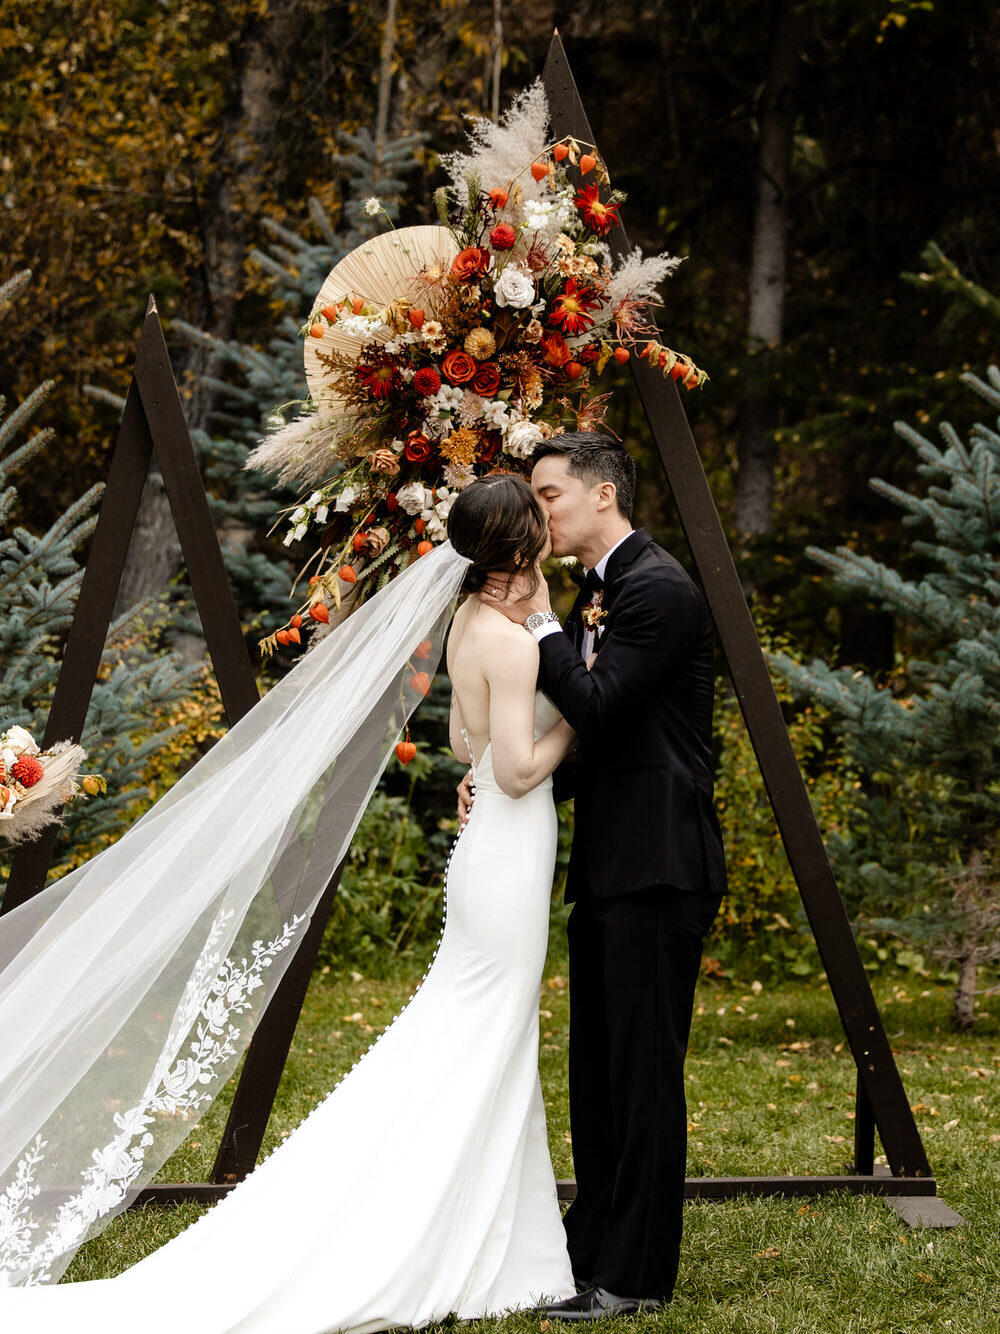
130	987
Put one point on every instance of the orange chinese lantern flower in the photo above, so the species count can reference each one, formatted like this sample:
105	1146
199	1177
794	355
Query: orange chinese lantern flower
421	683
405	751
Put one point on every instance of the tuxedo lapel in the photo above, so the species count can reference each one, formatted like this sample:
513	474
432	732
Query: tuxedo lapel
619	561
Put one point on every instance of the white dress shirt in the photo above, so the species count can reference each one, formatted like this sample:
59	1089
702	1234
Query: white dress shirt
589	637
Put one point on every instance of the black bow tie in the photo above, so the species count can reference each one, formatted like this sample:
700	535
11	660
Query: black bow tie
593	583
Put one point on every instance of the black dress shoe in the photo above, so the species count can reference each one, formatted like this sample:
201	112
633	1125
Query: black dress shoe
596	1303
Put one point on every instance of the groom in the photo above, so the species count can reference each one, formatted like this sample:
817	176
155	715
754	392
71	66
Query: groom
647	869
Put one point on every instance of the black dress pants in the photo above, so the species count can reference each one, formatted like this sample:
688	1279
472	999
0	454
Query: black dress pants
634	962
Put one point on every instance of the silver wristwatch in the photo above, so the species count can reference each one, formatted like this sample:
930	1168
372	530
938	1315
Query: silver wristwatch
539	618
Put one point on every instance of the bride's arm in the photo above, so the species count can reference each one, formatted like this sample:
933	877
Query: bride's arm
519	761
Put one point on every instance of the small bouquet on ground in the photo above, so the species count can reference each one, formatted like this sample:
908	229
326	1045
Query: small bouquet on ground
439	354
34	782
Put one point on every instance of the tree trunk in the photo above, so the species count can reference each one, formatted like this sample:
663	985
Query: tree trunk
757	454
265	51
964	1000
496	60
384	86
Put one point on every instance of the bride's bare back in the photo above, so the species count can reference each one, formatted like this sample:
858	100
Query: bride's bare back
493	665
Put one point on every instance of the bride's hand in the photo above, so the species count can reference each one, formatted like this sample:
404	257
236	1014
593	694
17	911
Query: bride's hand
514	595
591	660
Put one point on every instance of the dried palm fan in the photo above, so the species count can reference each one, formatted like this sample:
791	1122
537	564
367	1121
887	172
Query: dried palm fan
379	271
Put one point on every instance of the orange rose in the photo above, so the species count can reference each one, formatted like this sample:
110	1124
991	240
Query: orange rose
458	367
418	447
470	262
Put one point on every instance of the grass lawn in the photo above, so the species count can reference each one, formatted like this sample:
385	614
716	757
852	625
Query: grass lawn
770	1090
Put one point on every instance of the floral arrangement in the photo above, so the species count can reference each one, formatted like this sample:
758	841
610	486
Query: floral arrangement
494	343
34	782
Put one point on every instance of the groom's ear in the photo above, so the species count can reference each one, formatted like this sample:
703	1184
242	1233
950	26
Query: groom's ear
607	496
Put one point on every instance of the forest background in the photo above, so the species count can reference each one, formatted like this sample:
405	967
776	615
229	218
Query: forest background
802	154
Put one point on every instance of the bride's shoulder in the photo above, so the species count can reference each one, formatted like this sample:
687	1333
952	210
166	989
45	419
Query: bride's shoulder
496	636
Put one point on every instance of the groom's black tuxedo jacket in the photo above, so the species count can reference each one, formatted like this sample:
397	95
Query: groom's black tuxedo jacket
642	781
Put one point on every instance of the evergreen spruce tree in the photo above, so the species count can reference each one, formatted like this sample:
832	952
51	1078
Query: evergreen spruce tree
40	578
272	378
927	848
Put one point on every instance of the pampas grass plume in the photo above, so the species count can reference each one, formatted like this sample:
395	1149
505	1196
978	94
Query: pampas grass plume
299	451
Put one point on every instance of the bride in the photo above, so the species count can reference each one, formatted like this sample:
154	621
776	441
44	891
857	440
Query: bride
422	1185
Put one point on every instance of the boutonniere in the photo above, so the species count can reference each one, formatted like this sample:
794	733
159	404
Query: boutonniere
593	614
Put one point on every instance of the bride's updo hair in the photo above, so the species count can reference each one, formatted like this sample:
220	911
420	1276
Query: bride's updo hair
499	524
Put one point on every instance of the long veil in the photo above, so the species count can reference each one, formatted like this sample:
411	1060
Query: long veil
130	987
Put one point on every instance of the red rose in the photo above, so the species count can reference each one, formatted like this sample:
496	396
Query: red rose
487	379
556	351
459	367
503	236
391	503
418	447
471	262
427	381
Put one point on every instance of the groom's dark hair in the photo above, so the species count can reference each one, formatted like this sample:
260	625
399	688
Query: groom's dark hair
595	458
498	522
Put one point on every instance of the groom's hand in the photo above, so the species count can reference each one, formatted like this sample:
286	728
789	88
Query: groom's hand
514	596
466	793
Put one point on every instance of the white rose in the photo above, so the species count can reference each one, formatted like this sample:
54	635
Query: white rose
411	497
515	287
522	439
19	741
435	529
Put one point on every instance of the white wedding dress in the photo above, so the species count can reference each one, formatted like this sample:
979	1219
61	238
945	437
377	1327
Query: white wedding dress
422	1184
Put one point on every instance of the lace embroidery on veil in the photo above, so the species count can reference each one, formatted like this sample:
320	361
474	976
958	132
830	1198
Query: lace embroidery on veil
175	1091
